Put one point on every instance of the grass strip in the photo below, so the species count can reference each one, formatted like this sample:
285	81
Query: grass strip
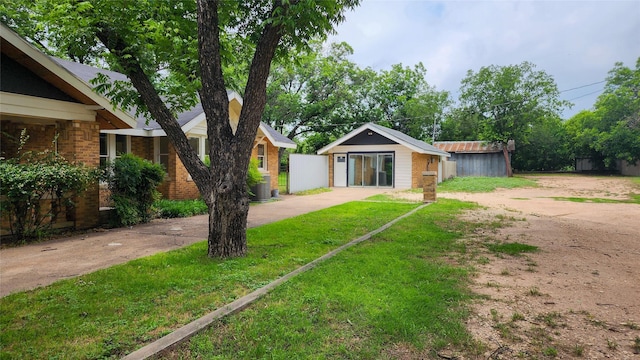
238	305
633	199
391	297
111	312
477	184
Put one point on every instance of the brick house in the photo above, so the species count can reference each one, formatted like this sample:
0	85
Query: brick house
47	95
39	95
376	156
149	141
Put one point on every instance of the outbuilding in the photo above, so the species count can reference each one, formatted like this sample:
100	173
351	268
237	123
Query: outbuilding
376	156
477	158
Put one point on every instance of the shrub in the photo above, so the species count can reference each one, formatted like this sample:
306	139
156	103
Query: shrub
132	182
37	187
180	208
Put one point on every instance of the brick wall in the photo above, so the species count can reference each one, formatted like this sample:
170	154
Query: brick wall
273	166
419	164
78	141
177	185
430	179
142	147
40	137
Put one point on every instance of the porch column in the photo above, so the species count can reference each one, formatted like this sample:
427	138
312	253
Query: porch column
79	142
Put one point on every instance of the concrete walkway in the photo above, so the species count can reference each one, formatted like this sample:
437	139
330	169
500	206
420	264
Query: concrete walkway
28	267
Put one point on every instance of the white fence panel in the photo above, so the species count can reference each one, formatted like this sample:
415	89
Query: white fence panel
308	172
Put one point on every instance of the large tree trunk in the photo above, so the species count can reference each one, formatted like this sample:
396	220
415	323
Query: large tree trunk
223	185
507	160
228	202
228	223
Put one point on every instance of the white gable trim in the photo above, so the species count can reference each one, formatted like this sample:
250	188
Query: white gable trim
381	132
274	141
64	74
41	108
202	117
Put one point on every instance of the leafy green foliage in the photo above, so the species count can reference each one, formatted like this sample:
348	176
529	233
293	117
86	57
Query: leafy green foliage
611	131
180	208
547	149
132	182
404	101
311	92
174	51
319	95
510	101
38	187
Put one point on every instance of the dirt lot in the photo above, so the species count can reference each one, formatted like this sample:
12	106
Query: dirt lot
579	296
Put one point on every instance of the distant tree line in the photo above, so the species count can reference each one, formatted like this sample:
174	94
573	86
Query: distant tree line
316	95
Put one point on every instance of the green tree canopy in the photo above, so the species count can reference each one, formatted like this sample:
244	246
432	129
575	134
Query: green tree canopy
311	91
174	52
510	101
403	100
611	131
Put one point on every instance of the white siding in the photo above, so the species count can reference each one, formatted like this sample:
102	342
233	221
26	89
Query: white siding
402	160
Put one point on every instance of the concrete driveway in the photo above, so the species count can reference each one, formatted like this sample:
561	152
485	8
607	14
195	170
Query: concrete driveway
28	267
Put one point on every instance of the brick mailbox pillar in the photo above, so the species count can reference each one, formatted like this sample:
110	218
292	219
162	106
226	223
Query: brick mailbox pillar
429	181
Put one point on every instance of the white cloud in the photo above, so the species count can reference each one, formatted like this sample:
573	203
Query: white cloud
577	42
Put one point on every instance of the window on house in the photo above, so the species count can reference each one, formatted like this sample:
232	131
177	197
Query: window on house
262	156
206	146
104	150
195	145
122	145
163	152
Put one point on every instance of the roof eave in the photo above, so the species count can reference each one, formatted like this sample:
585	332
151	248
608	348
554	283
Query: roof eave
63	74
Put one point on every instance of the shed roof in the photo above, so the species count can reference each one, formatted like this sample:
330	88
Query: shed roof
468	147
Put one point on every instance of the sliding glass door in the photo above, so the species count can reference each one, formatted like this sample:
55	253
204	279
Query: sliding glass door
370	169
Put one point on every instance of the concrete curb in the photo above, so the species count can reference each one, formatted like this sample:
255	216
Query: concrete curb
202	323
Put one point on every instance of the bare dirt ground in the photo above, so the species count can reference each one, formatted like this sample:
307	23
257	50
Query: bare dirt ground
578	297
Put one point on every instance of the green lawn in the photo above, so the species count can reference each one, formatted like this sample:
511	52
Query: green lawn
395	291
483	184
111	312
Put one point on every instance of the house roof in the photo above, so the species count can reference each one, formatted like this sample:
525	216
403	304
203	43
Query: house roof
416	145
276	137
187	119
470	147
51	71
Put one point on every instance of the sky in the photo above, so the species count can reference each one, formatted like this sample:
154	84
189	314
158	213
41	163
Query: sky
576	42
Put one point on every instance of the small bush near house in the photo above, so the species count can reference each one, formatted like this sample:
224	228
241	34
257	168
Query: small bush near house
38	188
180	208
132	182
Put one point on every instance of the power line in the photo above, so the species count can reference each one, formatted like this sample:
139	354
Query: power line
584	86
587	94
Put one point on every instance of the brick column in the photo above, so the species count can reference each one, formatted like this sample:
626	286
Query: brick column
79	141
429	181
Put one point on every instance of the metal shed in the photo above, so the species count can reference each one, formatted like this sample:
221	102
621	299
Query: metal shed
476	158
